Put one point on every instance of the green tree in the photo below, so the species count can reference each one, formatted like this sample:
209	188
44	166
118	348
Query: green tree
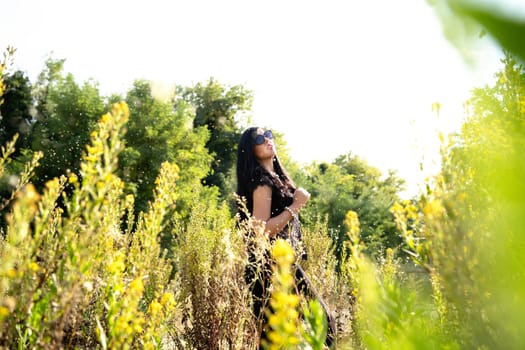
468	232
15	117
349	183
158	132
67	113
374	195
47	79
331	196
218	108
484	170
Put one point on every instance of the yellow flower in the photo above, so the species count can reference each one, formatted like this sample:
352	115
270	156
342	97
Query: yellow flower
289	328
283	317
276	338
3	312
434	209
120	108
411	211
130	199
284	298
90	158
352	223
282	252
155	308
137	285
33	266
73	179
105	118
137	328
167	300
397	207
117	265
292	314
31	193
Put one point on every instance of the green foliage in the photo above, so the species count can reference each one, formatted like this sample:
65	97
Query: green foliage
315	329
349	183
75	279
218	108
213	295
81	269
156	133
489	156
67	113
15	109
466	230
7	58
465	19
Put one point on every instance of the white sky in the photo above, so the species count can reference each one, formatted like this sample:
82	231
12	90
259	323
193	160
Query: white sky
333	76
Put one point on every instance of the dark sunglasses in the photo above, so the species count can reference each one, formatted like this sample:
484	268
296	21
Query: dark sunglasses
259	139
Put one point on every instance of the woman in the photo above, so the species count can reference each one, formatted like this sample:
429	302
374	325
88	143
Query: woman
272	199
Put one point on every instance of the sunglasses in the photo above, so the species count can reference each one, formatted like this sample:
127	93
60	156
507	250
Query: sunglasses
259	139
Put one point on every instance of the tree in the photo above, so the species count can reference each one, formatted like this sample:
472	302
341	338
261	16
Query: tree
216	108
15	117
349	183
468	232
374	195
158	132
67	113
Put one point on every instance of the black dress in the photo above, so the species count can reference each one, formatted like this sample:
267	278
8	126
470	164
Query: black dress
258	272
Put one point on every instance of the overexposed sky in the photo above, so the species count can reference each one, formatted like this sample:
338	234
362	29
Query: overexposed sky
333	76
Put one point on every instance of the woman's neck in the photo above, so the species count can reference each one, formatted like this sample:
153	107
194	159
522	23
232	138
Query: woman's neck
268	165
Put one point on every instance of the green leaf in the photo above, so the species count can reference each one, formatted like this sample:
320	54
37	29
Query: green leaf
509	32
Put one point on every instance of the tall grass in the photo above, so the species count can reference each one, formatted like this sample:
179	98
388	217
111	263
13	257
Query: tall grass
80	269
70	276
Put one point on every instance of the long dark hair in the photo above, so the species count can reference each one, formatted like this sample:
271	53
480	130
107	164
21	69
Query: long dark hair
249	169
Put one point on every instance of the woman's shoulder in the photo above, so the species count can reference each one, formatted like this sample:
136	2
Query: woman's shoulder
262	178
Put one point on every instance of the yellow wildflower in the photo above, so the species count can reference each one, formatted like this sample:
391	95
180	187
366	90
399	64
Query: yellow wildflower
137	285
283	252
31	194
105	118
434	209
155	308
352	223
167	300
33	266
4	311
73	179
116	266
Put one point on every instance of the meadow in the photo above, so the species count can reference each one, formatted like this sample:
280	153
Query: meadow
82	266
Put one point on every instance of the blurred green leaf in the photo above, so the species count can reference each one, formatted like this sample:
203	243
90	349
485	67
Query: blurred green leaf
509	32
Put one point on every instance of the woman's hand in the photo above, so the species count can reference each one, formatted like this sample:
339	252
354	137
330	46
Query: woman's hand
262	203
300	198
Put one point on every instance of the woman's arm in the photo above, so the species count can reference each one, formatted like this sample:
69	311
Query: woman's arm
262	206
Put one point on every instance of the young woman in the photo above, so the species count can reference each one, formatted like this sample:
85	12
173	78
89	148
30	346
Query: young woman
272	199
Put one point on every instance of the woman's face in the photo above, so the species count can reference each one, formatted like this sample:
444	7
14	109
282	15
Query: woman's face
266	149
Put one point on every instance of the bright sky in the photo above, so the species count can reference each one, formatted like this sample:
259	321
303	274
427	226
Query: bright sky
333	76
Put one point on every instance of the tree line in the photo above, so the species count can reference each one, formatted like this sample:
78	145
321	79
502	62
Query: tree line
197	128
